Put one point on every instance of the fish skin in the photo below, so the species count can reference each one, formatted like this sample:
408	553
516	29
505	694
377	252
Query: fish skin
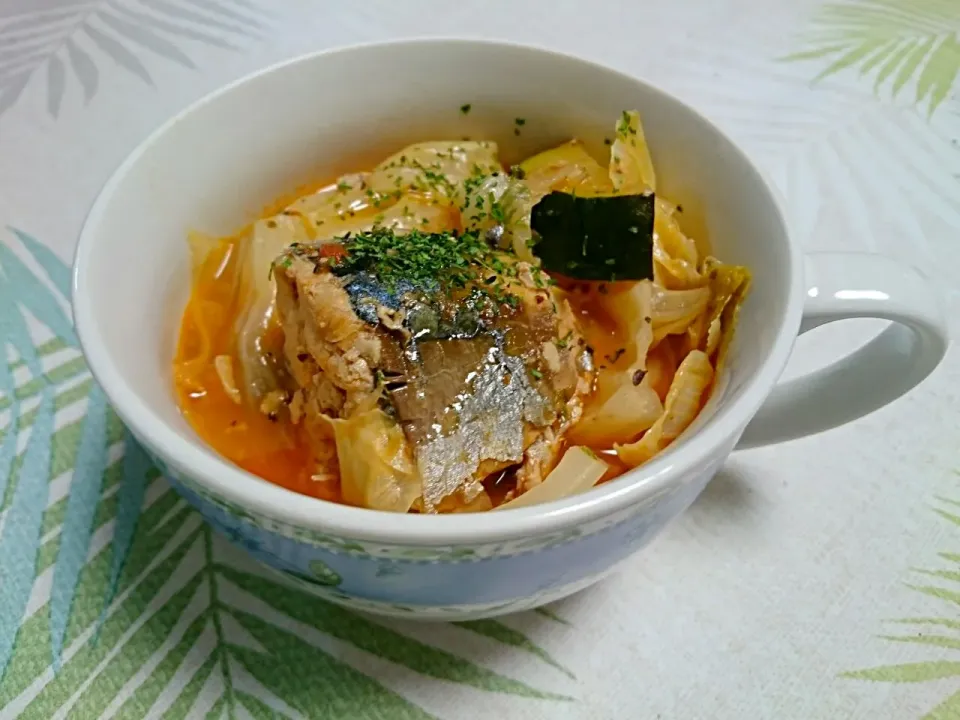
465	387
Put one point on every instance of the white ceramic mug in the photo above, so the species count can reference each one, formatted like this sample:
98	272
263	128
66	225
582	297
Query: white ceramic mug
213	166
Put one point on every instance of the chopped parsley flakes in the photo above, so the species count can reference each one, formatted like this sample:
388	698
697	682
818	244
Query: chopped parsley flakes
422	258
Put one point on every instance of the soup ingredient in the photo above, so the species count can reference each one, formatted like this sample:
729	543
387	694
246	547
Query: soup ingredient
684	400
728	287
636	310
567	168
414	258
595	238
224	368
619	412
377	469
498	207
419	187
579	470
266	240
434	168
454	346
631	169
675	311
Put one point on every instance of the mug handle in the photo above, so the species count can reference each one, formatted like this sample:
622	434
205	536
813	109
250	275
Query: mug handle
841	286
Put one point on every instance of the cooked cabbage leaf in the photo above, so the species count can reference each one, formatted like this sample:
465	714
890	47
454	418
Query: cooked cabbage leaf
377	469
500	200
567	168
729	285
579	469
631	168
201	246
619	412
256	252
435	168
691	381
674	253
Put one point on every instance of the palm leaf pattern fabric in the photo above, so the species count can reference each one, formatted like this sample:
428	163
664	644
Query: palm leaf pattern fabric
938	631
897	43
118	600
64	42
905	48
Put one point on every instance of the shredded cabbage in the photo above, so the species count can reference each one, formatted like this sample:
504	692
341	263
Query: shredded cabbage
201	246
567	168
377	469
579	469
728	287
633	308
675	256
501	200
435	168
223	364
257	251
675	311
672	306
631	168
619	413
691	381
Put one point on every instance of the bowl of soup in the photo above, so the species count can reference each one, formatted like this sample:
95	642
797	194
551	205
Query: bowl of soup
456	339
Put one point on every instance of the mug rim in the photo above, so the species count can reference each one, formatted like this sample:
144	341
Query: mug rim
219	476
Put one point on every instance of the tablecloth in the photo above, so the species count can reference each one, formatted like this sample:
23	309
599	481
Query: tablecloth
814	579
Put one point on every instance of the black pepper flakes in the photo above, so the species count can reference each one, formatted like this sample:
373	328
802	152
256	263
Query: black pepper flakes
638	377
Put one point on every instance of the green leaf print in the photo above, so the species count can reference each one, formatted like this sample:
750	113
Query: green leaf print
949	709
168	620
508	636
905	42
323	574
931	632
908	673
60	45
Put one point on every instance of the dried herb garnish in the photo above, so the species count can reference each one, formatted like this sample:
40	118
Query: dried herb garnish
451	260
